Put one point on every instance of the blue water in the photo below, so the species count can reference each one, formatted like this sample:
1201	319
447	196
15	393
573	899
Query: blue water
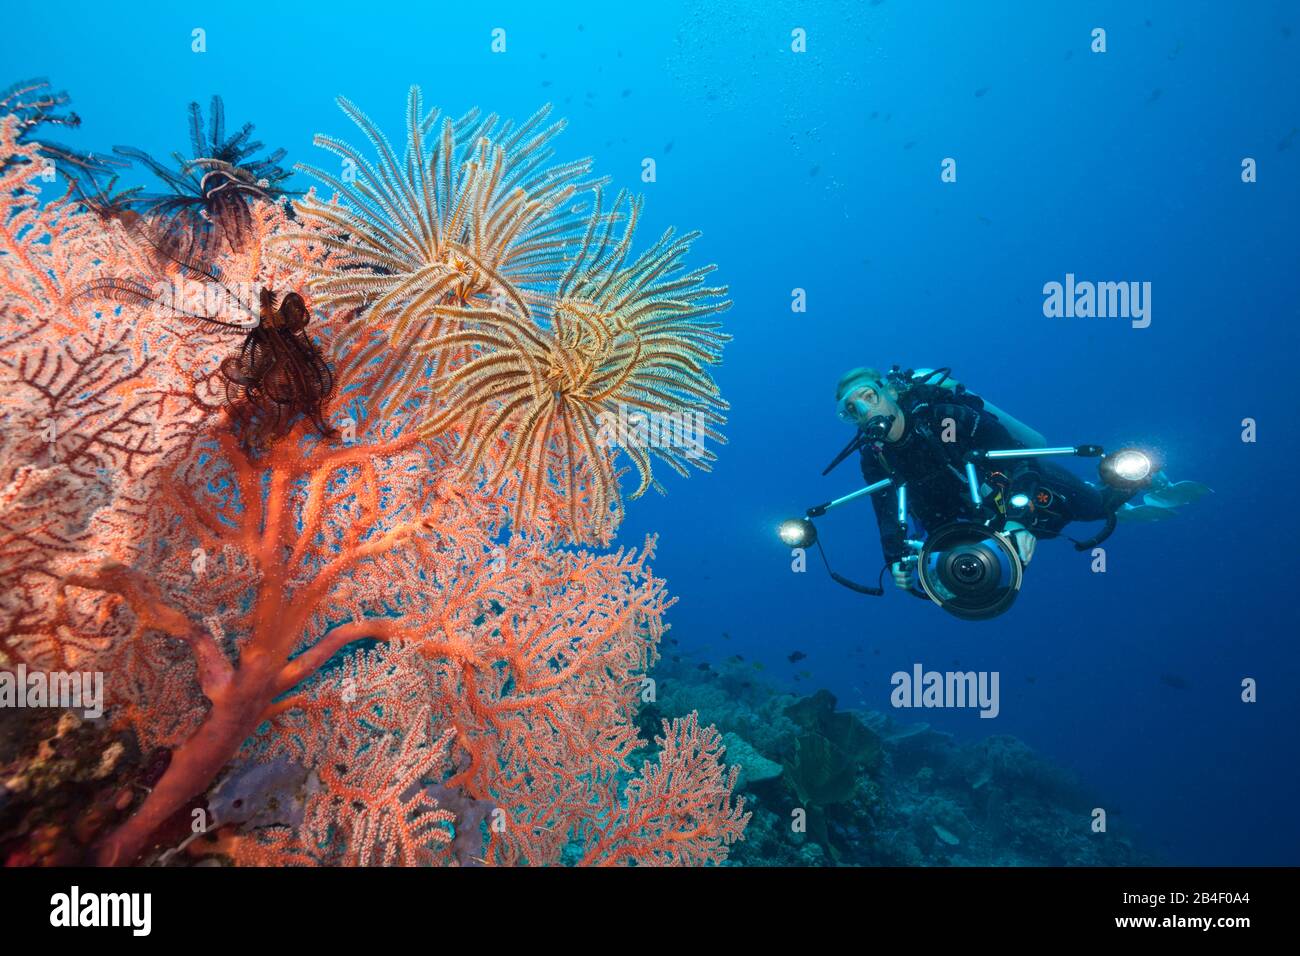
820	171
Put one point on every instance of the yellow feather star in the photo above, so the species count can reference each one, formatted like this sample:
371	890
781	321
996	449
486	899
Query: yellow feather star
522	319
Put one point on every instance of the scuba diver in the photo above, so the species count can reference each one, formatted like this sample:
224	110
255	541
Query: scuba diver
977	482
921	429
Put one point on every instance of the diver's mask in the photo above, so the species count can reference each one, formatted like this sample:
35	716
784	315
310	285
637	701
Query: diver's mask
854	408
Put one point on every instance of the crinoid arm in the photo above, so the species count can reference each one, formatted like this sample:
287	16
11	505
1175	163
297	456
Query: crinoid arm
133	290
472	213
34	104
293	311
495	292
206	205
112	289
279	376
619	363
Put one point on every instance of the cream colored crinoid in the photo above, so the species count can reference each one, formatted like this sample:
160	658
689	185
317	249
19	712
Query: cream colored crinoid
472	214
488	284
619	365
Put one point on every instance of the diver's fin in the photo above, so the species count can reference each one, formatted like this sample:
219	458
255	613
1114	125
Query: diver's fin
1018	429
1141	513
1177	493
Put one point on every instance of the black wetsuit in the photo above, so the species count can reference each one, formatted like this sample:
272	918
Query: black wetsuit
934	470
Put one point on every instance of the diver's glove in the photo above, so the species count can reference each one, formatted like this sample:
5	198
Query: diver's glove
904	571
1024	540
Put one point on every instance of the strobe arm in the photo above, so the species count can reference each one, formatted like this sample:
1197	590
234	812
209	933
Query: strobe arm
1077	451
816	511
1082	451
1004	454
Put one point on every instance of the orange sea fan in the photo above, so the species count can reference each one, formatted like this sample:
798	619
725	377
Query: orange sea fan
227	597
678	812
90	402
367	804
236	317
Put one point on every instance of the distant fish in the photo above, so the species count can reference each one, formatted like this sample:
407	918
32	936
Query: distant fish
985	220
669	147
909	144
1068	54
981	91
1155	95
627	93
875	113
747	684
736	657
546	82
814	171
796	657
1031	679
677	658
1174	681
798	677
1178	48
876	651
704	666
726	636
876	3
1285	31
806	675
1285	142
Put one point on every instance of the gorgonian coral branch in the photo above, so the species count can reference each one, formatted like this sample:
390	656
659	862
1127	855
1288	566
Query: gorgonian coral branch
355	603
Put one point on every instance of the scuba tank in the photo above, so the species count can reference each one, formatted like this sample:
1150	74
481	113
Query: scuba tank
1021	432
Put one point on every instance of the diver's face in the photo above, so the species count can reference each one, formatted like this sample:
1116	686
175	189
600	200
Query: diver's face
865	403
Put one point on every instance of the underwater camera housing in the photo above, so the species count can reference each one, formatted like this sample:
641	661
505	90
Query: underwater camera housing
970	571
969	567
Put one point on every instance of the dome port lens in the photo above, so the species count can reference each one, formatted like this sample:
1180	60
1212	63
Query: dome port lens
969	571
